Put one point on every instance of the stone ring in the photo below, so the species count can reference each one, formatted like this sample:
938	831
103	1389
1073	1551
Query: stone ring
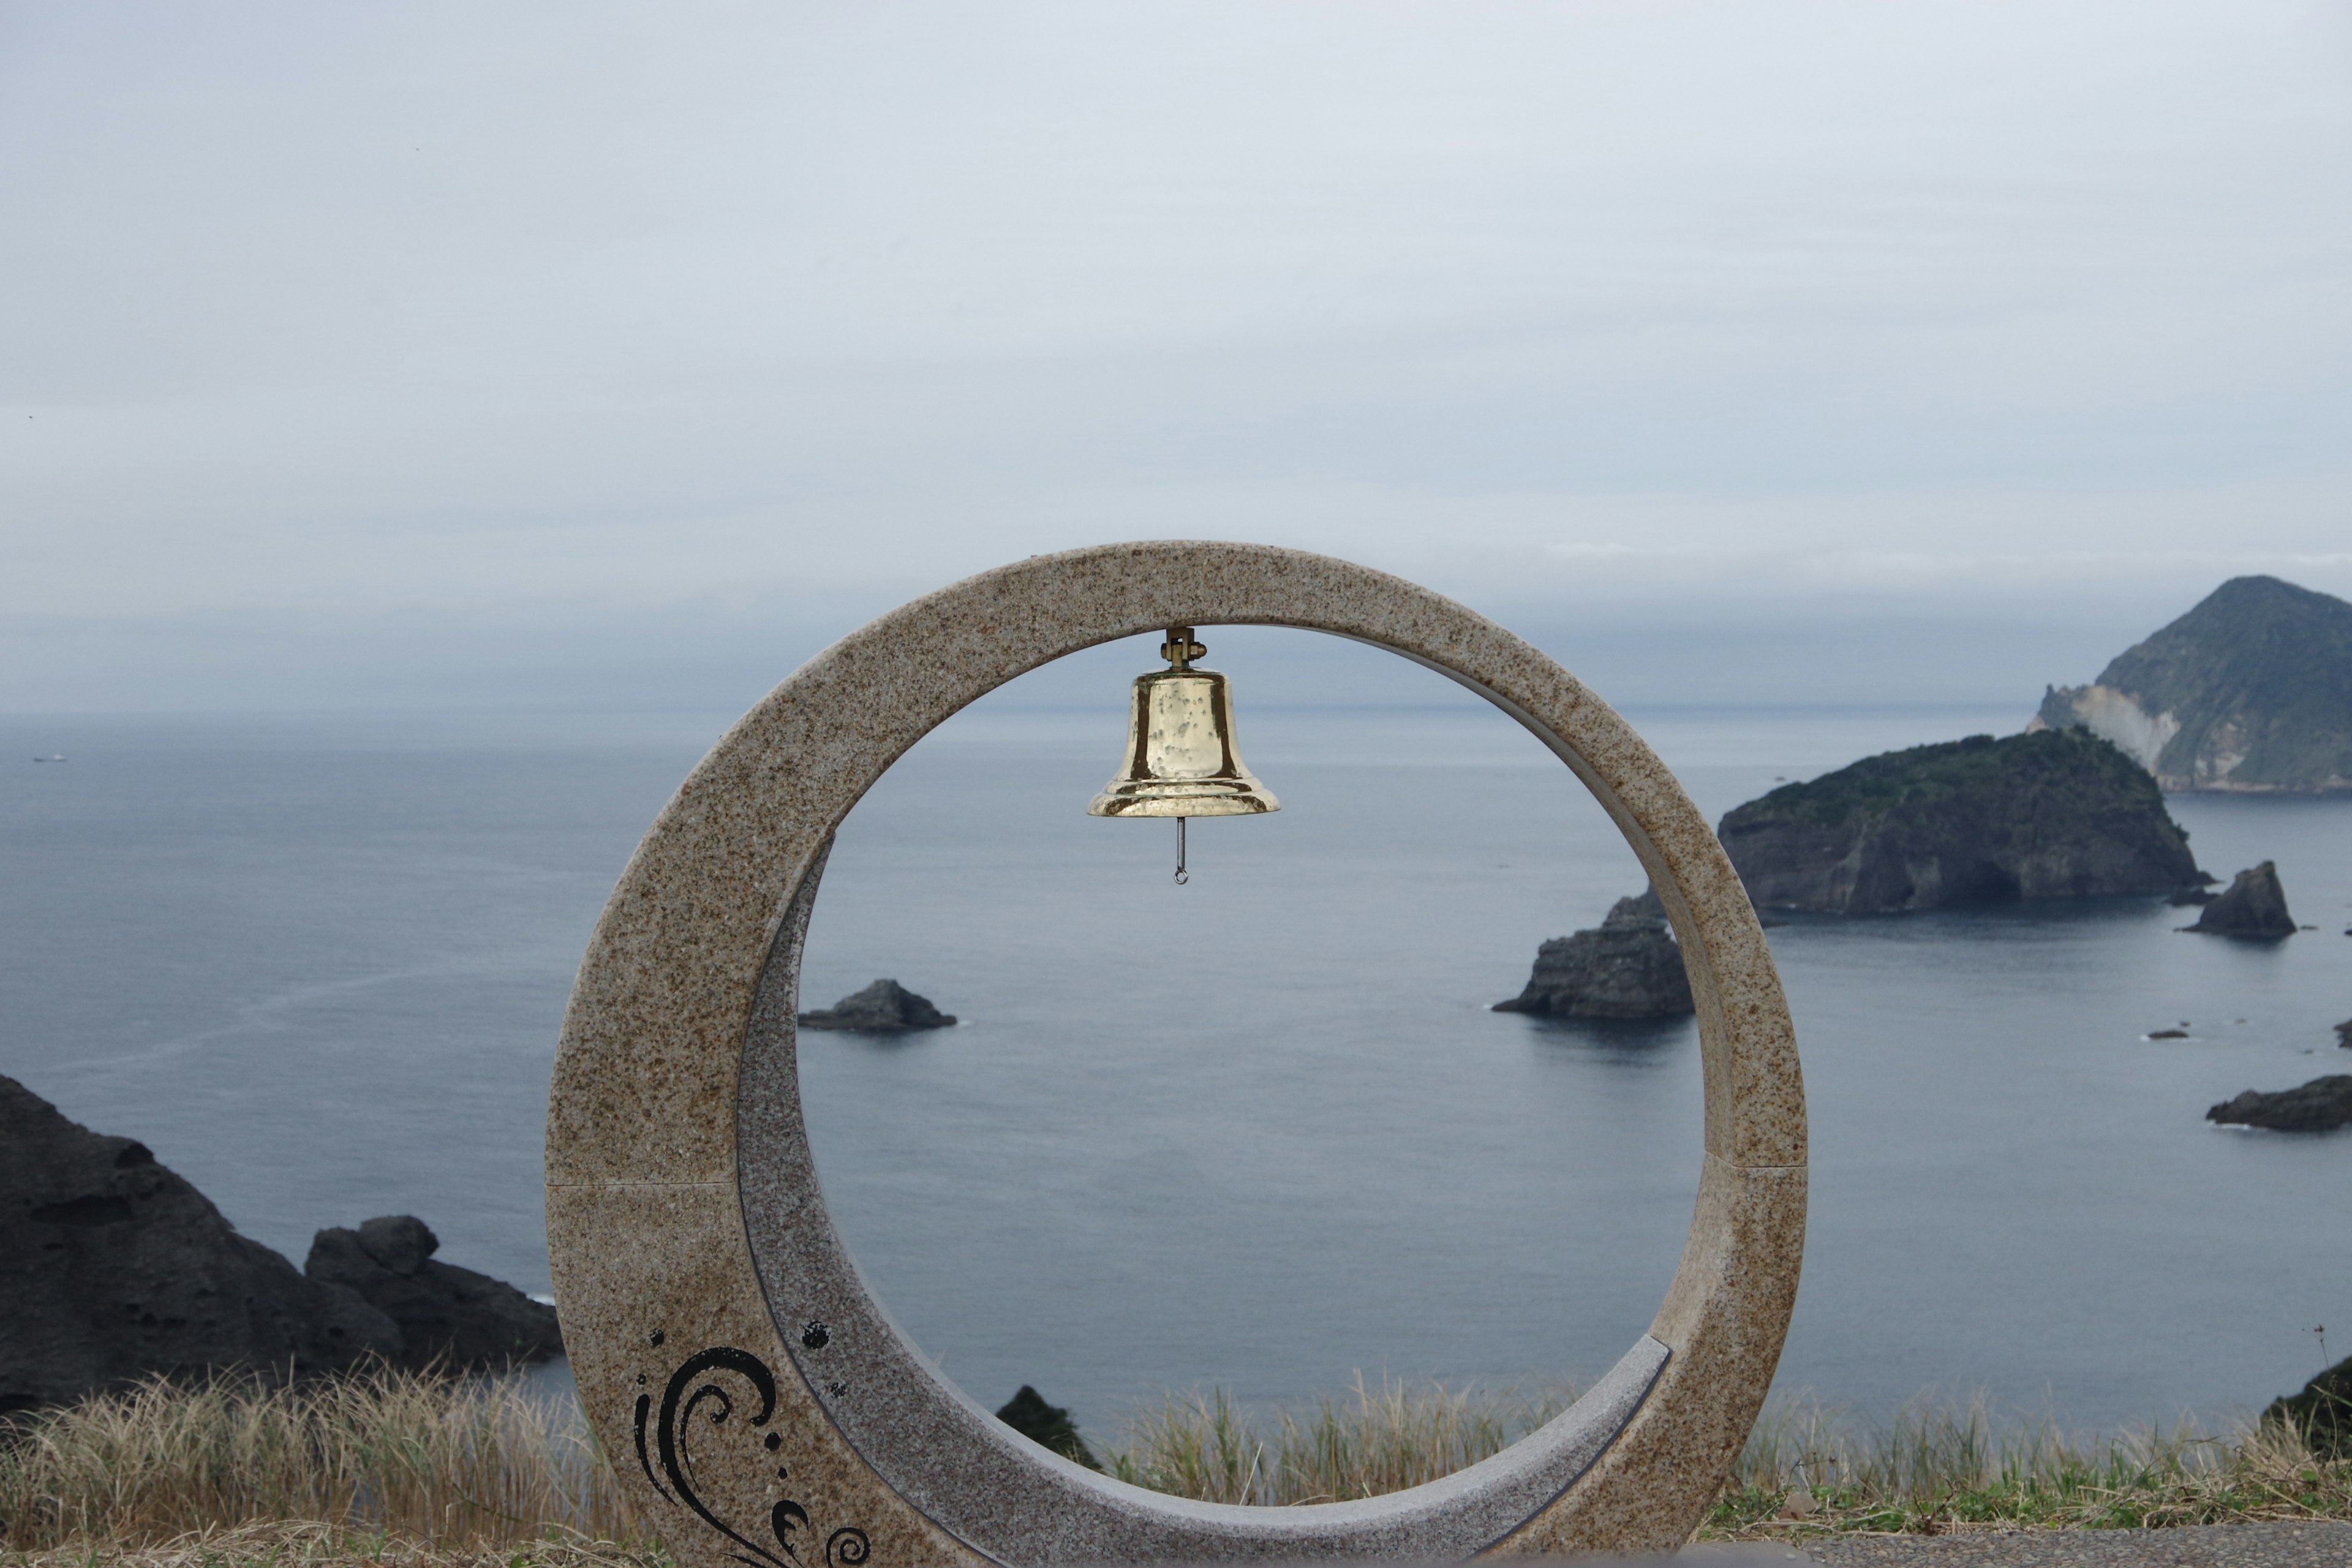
758	1404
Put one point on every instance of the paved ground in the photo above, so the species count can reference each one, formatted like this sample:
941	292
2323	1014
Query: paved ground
2200	1546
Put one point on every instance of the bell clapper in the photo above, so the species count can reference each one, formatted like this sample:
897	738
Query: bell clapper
1183	876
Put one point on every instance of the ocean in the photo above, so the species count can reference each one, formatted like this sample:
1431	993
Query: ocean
1260	1131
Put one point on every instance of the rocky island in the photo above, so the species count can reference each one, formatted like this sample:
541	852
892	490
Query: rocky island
1626	967
2254	905
2315	1107
114	1267
885	1007
2250	691
2051	815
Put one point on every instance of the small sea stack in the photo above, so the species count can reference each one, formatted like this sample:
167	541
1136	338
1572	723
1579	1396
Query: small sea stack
2343	1034
885	1007
2315	1106
1626	967
2254	905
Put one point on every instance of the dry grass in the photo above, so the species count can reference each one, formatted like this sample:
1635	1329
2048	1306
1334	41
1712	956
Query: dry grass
1934	1471
1371	1441
1931	1469
410	1471
457	1464
302	1544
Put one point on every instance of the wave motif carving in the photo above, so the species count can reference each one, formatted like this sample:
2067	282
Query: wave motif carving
701	1386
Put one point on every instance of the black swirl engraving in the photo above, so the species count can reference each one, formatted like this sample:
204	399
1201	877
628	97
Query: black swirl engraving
695	1388
644	1459
680	1401
783	1519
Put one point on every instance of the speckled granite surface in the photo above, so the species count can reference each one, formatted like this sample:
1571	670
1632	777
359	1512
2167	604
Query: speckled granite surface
760	1404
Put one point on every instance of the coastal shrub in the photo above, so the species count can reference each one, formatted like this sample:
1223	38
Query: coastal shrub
455	1462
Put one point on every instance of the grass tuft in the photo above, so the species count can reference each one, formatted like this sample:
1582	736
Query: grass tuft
1359	1445
465	1463
1930	1470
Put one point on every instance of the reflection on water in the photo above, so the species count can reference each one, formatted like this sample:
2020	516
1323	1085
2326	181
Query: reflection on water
1634	1043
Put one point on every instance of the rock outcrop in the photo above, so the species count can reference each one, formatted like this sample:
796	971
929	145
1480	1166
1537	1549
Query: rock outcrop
2250	691
2343	1034
446	1316
885	1007
2254	905
1627	967
1047	1425
2315	1106
112	1267
2321	1413
2051	815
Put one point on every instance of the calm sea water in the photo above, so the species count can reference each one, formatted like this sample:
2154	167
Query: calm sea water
1258	1131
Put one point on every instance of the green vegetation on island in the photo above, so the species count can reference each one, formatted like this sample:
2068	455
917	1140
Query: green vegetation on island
2250	691
2049	814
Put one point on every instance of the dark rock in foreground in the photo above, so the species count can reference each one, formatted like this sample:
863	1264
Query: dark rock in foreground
447	1316
2250	691
2322	1413
112	1268
1047	1425
2053	814
2322	1103
2254	905
883	1007
1627	967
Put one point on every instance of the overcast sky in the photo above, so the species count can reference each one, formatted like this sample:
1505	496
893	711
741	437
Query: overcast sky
375	353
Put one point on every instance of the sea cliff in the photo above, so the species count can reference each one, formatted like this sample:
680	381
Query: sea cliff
2250	691
114	1268
2052	814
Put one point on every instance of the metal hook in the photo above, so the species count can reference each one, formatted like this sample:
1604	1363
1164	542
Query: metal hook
1183	876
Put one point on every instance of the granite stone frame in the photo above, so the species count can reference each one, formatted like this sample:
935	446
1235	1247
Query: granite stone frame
759	1404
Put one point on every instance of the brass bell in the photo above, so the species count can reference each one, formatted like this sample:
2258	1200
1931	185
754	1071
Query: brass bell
1181	761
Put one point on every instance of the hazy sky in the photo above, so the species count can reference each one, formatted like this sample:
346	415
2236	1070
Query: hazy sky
396	352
